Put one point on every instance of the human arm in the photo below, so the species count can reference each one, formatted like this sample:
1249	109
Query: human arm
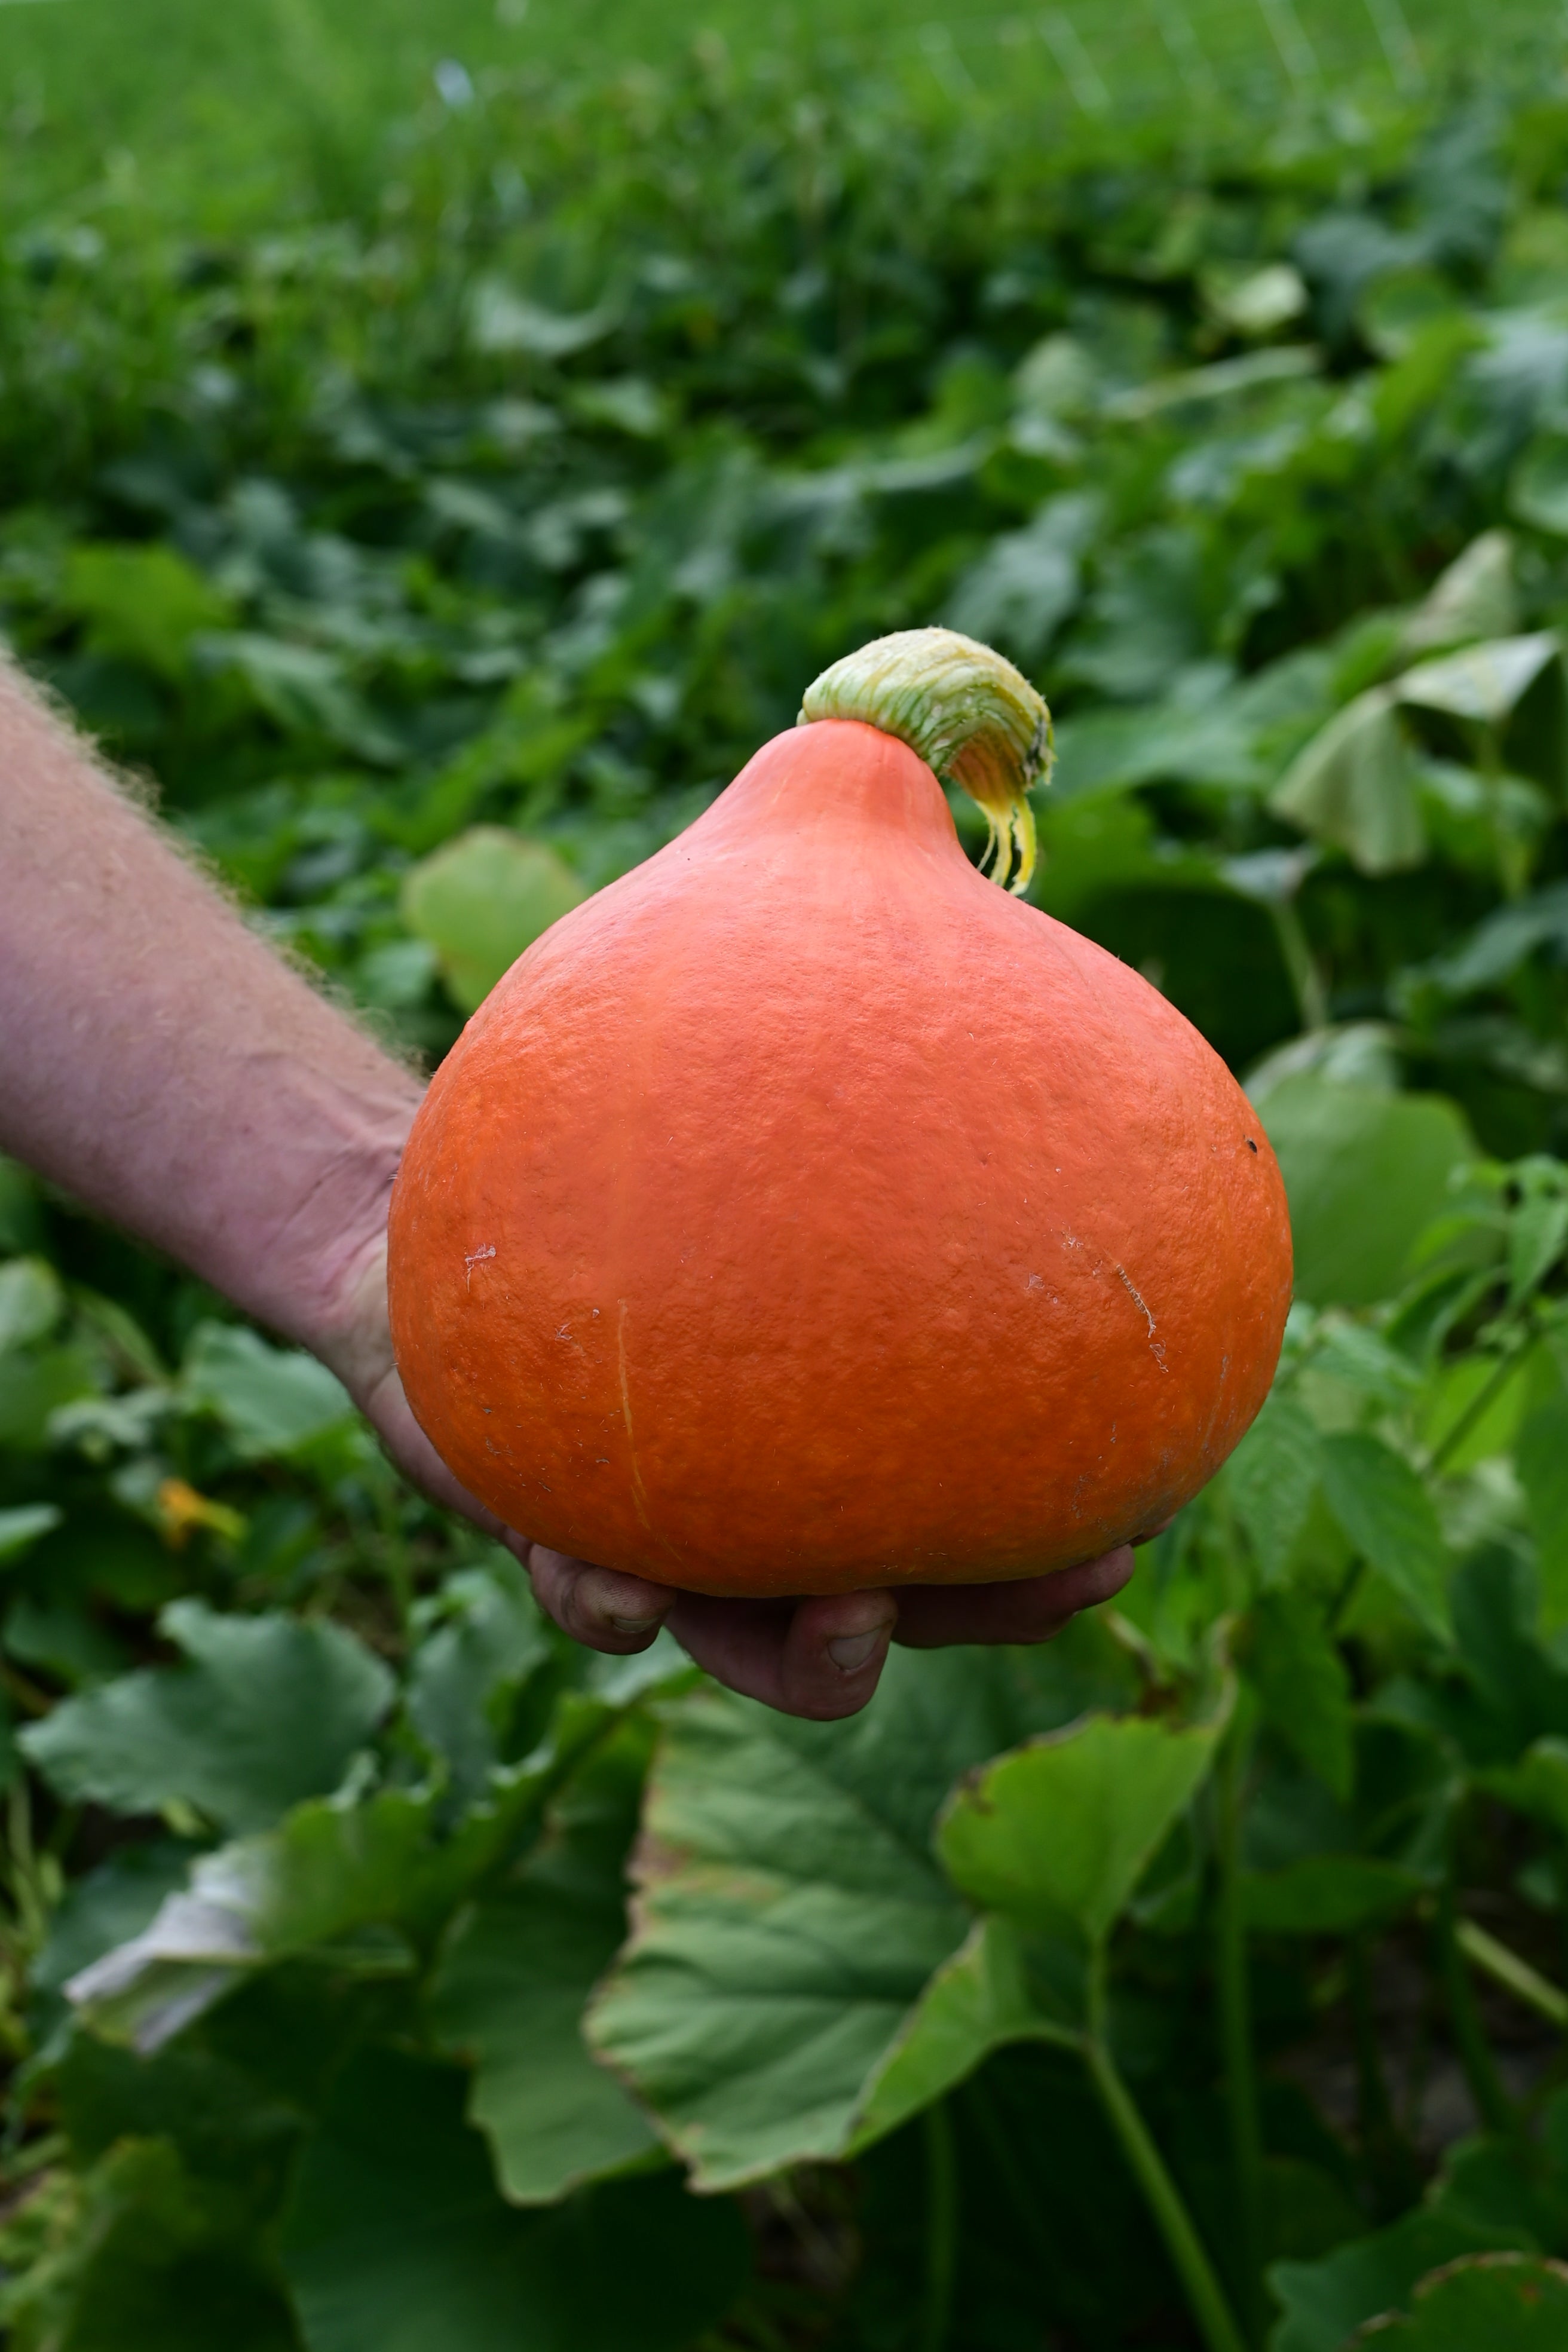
162	1065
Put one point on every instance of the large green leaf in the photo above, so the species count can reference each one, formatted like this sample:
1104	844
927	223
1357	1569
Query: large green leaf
140	2257
20	1529
1354	787
268	1711
1324	2301
515	1979
1503	2302
333	1879
1057	1834
1294	1665
270	1400
397	2240
1484	683
977	2001
1365	1173
1541	1460
1272	1477
32	1300
481	899
483	1637
1328	1894
790	1912
1388	1515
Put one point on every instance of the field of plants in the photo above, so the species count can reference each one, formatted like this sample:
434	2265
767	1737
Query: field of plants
378	1973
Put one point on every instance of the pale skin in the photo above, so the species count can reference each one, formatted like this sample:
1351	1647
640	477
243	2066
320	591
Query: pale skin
161	1065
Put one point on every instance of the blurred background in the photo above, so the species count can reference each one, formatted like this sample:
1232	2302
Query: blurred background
438	443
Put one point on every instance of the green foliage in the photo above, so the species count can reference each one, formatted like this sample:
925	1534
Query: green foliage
377	1970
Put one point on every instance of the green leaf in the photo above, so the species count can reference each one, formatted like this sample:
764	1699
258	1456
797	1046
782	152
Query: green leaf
146	604
1295	1666
1474	597
270	1710
1541	1457
501	322
1323	2301
487	1637
20	1529
1057	1834
790	1914
1354	786
1485	683
481	901
270	1400
1538	491
332	1879
1365	1173
1328	1894
977	2001
514	1981
32	1301
1505	2303
1272	1477
1538	1783
1538	1226
1388	1515
396	2240
141	2257
1027	581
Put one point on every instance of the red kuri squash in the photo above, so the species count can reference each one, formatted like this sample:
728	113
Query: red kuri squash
805	1212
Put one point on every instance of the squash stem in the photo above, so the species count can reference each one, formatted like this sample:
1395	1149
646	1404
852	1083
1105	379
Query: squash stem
1236	2031
1205	2297
941	2228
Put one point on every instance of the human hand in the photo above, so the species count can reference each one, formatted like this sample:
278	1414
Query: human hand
821	1657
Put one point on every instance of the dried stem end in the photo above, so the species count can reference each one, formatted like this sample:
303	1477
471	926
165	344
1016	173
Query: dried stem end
974	719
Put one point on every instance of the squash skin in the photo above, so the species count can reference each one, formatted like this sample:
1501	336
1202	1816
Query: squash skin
803	1214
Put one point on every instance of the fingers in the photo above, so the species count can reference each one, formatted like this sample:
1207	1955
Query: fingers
820	1658
933	1616
597	1606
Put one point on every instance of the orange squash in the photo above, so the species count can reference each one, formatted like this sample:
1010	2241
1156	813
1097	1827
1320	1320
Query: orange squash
806	1212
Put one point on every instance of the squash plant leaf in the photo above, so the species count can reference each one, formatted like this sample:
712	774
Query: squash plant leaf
1388	1515
1354	787
346	1878
1506	2301
269	1400
514	1981
268	1711
1328	1894
1540	1458
396	2235
1323	2303
1294	1665
977	2001
1272	1477
790	1912
1365	1173
146	2257
480	900
1056	1835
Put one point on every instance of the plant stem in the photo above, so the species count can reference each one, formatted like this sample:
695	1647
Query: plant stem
1506	1969
1485	1396
1311	998
1236	2029
1475	2051
1205	2294
941	2227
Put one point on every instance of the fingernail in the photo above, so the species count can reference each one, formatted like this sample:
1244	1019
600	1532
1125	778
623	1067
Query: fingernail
637	1624
851	1651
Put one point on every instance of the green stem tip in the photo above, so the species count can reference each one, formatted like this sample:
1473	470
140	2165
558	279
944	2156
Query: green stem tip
974	719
